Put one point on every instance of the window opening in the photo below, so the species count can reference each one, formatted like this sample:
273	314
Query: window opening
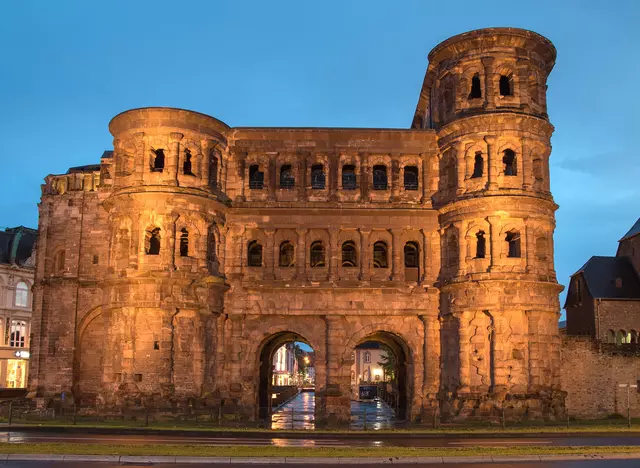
317	255
186	166
411	255
505	86
476	91
317	177
18	334
367	356
213	171
411	178
287	255
254	256
156	345
184	242
287	180
349	258
153	244
379	177
452	257
481	245
513	242
95	259
380	255
256	178
509	160
478	166
59	262
348	177
158	160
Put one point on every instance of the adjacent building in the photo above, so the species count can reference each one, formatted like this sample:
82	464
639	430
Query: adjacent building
285	366
17	266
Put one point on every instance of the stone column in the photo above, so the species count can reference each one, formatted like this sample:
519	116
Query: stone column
424	185
527	165
172	165
334	175
271	167
334	254
489	95
395	177
522	91
338	387
431	380
464	333
492	162
141	158
397	252
301	253
364	176
205	161
221	253
302	184
460	168
270	255
210	347
242	175
494	247
529	251
365	255
534	361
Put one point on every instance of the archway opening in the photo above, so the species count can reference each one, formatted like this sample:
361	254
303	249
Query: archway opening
379	382
286	387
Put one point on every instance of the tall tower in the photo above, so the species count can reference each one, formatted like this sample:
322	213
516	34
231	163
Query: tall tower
484	94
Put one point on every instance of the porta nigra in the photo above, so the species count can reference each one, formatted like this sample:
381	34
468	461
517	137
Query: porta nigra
172	270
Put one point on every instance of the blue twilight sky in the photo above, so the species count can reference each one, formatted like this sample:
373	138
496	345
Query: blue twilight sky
69	66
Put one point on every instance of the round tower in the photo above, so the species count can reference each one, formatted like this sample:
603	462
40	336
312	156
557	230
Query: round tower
164	286
485	96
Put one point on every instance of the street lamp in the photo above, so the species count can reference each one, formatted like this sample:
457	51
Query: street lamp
629	387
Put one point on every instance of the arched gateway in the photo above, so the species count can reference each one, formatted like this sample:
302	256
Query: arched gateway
205	246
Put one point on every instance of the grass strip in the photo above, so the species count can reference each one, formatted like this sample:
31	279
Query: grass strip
272	451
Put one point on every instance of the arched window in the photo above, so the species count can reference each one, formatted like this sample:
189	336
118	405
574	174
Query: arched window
513	244
184	242
481	245
509	161
367	356
287	255
22	294
348	177
379	177
213	170
478	166
452	251
620	337
158	160
411	255
287	179
318	180
152	241
18	333
634	337
256	177
349	255
58	262
254	254
476	90
380	255
411	178
211	249
611	337
186	165
316	257
505	86
541	248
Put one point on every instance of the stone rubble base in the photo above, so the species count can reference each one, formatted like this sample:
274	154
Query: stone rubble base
316	460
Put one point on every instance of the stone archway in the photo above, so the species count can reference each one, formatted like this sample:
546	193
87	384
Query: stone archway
89	357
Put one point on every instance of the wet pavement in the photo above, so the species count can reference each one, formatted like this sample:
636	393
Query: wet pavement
298	413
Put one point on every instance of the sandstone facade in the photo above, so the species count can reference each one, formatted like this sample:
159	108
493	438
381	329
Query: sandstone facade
194	250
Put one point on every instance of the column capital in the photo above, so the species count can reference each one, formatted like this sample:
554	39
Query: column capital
490	139
270	232
487	61
175	137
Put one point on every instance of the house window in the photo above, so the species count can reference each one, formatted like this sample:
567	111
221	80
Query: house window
186	166
513	244
254	254
509	161
317	177
287	180
348	177
411	255
287	255
505	86
476	91
380	255
184	242
153	242
158	160
379	177
317	255
349	255
256	178
411	178
367	356
478	166
22	294
481	245
18	333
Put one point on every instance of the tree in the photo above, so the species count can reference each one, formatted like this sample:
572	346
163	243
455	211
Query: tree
388	362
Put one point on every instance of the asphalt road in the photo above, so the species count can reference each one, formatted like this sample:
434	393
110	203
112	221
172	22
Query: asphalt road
578	464
371	440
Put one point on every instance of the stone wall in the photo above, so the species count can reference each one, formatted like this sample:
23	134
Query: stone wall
591	378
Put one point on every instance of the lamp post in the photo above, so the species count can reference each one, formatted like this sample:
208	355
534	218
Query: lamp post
629	387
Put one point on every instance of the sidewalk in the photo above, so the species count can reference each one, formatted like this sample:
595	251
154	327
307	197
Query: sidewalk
315	460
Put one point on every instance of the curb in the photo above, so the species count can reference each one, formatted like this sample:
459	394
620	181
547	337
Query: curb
316	460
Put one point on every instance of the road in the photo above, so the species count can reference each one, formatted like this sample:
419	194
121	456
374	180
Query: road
311	440
577	464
